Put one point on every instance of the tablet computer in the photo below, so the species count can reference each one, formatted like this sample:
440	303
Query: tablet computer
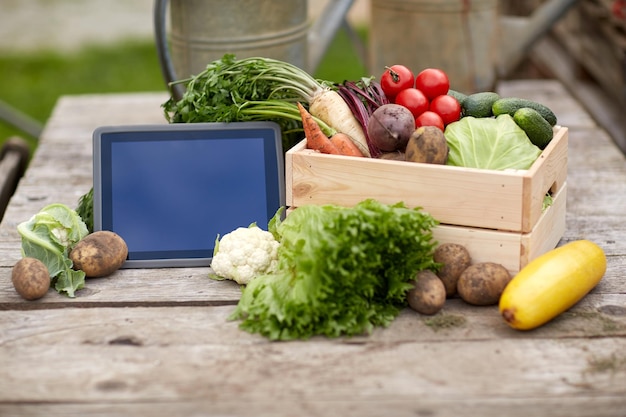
169	190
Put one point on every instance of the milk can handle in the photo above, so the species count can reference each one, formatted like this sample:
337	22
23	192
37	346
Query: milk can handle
165	59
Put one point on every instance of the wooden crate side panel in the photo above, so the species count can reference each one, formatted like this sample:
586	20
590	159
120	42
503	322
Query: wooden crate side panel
548	175
484	245
450	194
289	164
512	250
548	231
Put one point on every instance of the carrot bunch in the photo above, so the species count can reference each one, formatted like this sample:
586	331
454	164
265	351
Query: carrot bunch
337	144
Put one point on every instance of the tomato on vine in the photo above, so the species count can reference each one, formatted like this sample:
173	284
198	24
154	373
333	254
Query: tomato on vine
413	99
395	79
433	82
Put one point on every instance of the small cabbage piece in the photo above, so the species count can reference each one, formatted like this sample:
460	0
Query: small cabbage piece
490	143
244	254
49	236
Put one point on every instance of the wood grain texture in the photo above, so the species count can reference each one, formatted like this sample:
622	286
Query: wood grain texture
183	355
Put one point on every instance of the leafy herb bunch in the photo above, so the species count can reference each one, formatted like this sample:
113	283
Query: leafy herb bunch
250	89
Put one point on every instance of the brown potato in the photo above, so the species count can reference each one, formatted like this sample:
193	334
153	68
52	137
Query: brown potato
428	294
427	145
31	278
99	254
482	283
455	259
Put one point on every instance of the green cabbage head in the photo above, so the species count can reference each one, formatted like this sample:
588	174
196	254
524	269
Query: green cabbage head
49	236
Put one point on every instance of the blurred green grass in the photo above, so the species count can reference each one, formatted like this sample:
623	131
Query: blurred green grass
32	83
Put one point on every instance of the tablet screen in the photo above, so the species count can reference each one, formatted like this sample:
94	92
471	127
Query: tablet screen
170	190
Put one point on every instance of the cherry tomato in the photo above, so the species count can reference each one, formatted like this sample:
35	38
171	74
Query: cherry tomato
429	118
413	99
433	82
395	79
447	107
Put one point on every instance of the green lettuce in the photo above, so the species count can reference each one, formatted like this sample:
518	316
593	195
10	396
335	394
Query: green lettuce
341	271
489	143
49	236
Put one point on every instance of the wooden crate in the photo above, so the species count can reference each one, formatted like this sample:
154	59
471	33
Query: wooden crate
504	200
498	215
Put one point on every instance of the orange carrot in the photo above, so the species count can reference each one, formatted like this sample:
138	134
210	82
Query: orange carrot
345	145
315	138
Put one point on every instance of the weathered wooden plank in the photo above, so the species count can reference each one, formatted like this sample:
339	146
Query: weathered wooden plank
596	316
592	154
191	286
121	356
590	405
135	108
180	286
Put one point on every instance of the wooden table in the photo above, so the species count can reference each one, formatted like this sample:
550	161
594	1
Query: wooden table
158	343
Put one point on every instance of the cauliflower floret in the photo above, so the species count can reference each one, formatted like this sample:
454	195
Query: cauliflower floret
245	253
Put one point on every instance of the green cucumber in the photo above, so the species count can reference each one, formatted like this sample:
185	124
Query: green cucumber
460	97
535	125
509	105
479	104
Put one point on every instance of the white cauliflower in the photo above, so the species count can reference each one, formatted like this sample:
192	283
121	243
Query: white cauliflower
244	254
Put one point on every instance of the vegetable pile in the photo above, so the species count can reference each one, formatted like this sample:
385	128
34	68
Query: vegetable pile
49	236
336	117
58	249
476	283
546	287
231	90
482	130
341	271
365	118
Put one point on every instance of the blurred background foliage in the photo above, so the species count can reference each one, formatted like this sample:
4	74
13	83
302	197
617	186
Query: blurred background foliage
32	82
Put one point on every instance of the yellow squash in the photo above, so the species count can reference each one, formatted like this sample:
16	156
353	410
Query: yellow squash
551	284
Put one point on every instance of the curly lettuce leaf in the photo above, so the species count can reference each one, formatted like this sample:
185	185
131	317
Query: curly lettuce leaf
341	271
49	236
490	143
